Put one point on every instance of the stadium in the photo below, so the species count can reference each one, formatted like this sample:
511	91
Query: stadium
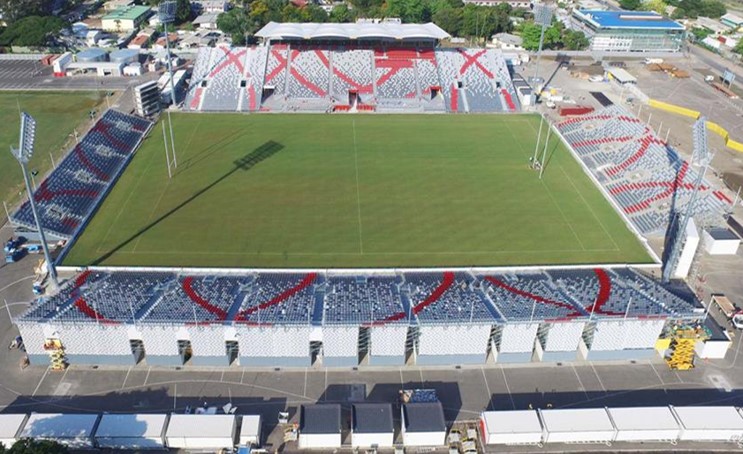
340	223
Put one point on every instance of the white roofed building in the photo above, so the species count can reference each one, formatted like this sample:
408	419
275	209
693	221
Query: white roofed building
276	31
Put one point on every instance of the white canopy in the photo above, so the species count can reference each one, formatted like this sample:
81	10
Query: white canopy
384	30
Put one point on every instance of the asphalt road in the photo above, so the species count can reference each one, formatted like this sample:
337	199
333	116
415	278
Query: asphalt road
31	75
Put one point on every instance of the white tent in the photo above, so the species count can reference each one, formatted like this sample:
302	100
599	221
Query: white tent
511	427
10	426
644	424
581	425
709	423
201	431
72	430
130	431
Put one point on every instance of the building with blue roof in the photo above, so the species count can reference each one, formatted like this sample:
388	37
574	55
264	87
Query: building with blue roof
629	31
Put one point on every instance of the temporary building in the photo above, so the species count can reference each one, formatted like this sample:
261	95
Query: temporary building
583	425
131	431
72	430
10	427
511	427
644	424
320	426
250	430
372	425
709	423
423	424
718	241
201	431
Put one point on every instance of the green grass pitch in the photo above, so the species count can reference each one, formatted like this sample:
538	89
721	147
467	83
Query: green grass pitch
352	191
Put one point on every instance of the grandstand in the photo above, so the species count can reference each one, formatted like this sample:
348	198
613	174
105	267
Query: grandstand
439	311
395	68
66	199
644	176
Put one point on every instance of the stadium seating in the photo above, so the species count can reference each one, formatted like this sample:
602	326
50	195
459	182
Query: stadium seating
645	176
309	74
352	71
358	300
198	299
451	297
70	194
319	77
362	300
529	296
280	299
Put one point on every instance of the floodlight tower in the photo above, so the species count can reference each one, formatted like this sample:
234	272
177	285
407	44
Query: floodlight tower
543	16
166	14
701	157
23	154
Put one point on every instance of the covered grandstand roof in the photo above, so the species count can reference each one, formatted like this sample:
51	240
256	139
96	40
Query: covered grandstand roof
282	30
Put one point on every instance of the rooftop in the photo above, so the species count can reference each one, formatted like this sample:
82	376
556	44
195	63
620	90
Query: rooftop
276	30
424	417
372	418
629	19
321	419
127	13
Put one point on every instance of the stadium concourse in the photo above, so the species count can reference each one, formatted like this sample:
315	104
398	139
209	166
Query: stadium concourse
274	319
382	67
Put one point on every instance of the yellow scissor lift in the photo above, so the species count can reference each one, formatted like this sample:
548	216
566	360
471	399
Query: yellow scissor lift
682	348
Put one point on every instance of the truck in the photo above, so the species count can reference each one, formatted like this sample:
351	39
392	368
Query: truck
728	309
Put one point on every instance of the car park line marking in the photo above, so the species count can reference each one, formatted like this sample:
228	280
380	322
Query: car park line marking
40	381
505	380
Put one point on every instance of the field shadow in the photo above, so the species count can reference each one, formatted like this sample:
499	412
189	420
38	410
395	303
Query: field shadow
247	162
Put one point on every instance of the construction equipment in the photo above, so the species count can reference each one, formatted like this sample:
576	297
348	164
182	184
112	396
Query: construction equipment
683	342
56	354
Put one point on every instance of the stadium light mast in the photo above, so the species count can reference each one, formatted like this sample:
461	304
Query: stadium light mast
166	13
543	16
23	154
701	157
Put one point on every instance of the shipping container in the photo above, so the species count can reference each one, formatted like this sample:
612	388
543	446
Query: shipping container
201	431
584	425
131	431
250	430
709	423
511	427
644	424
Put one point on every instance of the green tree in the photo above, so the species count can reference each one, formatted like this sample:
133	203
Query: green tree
530	33
182	11
32	31
236	23
313	13
14	10
659	6
739	48
450	19
30	446
340	14
574	40
630	5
